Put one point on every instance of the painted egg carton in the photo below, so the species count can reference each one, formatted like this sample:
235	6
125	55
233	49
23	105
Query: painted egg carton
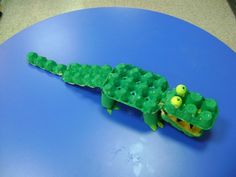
86	75
135	87
195	109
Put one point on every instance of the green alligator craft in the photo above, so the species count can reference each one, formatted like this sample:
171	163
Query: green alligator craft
187	111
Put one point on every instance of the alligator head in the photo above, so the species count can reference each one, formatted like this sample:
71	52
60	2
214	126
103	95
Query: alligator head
188	111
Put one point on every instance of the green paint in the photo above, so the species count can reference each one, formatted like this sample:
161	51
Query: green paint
145	91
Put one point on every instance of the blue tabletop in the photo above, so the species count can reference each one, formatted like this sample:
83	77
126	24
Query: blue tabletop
51	129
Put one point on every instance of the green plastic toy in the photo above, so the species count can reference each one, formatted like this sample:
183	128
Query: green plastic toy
187	111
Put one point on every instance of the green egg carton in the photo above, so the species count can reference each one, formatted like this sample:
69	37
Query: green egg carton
187	111
86	75
195	113
135	87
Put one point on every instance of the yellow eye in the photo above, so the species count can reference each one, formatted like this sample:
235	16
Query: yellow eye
176	101
181	90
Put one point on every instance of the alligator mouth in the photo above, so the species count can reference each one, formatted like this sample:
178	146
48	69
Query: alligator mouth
183	125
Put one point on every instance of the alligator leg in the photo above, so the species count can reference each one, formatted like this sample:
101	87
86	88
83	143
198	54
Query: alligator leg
151	120
108	103
160	121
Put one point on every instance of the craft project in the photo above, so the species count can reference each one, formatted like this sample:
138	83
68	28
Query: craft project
187	111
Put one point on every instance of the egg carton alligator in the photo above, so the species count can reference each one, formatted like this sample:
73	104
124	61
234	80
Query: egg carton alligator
187	111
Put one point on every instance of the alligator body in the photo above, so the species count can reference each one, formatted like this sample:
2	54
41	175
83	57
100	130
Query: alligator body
187	111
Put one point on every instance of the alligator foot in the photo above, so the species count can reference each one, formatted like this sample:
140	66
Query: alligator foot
109	110
109	103
160	124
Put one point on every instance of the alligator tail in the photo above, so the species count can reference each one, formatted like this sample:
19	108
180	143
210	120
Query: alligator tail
87	75
76	74
45	64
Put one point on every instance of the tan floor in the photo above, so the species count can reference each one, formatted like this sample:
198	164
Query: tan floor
214	16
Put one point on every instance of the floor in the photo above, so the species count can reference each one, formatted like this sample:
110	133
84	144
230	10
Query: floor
214	16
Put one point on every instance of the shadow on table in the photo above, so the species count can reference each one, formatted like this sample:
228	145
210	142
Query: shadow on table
132	118
126	116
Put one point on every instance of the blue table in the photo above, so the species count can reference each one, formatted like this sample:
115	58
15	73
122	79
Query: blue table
49	128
